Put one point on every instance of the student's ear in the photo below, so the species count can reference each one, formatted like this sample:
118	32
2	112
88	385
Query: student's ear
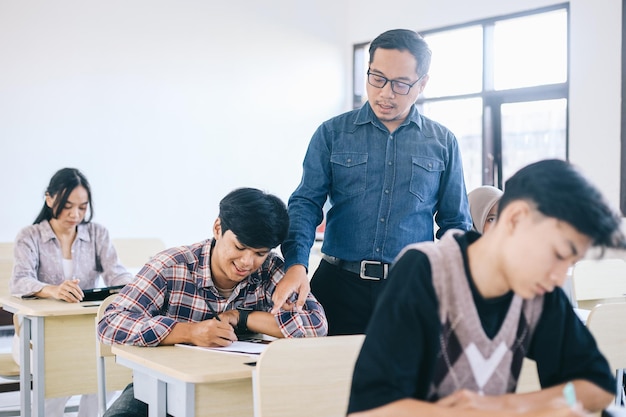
514	214
423	83
49	201
217	229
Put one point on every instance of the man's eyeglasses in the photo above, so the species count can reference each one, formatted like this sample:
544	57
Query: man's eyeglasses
397	87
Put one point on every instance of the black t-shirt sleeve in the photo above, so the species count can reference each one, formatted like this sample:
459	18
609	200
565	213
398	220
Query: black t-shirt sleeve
564	349
397	356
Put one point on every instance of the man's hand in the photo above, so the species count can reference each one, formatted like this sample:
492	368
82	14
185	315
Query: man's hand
466	399
469	400
295	281
230	316
212	333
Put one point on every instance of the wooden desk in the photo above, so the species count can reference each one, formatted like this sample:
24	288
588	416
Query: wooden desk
189	382
63	340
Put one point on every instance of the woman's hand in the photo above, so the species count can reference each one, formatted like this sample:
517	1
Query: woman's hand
68	290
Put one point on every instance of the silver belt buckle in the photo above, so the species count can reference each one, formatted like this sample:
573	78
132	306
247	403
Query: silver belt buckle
365	263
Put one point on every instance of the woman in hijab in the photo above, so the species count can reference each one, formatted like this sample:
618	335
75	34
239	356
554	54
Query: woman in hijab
483	202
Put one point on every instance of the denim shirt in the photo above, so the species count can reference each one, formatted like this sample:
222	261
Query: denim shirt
385	190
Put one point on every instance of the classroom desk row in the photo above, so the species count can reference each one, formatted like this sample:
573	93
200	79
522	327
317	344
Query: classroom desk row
62	339
173	380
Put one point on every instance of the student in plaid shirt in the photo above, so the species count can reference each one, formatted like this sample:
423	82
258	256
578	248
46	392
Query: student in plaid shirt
208	293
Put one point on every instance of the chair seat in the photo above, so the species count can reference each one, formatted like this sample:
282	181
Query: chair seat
8	367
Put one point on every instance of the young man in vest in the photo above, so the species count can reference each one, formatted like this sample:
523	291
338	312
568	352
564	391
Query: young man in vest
457	318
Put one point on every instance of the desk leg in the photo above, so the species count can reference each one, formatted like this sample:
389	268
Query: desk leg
151	390
37	336
25	367
158	403
620	392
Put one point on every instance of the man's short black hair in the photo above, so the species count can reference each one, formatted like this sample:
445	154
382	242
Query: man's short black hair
258	219
404	40
559	190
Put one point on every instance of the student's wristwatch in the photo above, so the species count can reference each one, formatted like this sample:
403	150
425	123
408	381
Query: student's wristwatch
242	324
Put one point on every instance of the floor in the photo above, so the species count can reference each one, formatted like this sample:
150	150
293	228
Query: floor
10	401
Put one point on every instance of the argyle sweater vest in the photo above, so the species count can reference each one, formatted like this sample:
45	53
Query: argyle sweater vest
468	358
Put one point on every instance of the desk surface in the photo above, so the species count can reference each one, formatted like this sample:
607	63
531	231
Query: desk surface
189	365
46	307
57	333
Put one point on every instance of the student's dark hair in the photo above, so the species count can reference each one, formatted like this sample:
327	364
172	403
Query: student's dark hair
559	190
62	183
258	219
404	40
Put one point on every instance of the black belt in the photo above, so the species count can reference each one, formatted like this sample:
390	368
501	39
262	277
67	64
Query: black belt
372	270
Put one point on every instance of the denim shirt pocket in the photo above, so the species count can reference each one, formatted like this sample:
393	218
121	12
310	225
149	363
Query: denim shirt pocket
349	172
425	177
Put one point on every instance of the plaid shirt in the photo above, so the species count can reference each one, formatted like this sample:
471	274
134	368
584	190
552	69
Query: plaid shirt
176	286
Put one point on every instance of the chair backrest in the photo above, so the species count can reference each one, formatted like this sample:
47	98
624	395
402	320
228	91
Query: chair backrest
599	281
6	270
6	266
135	252
605	322
110	375
305	377
6	250
528	380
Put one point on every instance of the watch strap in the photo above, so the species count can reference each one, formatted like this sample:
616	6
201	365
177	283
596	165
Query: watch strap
242	324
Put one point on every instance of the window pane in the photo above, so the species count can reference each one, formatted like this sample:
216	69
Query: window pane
360	62
457	62
531	50
532	131
464	119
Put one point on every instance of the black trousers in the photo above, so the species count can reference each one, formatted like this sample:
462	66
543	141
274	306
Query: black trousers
347	299
127	406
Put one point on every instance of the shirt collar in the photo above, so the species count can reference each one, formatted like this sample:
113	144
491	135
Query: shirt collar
47	233
203	271
366	115
82	232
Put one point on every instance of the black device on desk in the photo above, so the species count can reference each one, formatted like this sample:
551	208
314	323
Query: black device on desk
99	294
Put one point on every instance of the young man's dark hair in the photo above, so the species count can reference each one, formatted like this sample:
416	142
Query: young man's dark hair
559	190
241	211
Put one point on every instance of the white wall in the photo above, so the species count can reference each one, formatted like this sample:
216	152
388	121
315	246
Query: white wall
165	106
595	66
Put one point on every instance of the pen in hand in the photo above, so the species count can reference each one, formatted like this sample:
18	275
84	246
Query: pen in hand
215	316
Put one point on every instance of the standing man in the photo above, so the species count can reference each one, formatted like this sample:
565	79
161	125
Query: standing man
387	171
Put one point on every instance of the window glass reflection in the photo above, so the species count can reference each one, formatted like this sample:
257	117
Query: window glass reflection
530	50
457	63
464	119
532	131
